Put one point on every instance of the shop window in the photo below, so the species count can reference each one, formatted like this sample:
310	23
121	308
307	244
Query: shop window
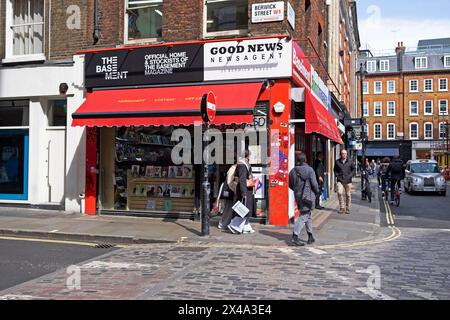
226	16
24	28
14	113
57	113
144	19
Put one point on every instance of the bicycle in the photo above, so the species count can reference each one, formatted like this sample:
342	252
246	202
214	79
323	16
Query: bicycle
397	192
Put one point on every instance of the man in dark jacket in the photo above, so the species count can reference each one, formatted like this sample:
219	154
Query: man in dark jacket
319	169
344	170
396	173
302	180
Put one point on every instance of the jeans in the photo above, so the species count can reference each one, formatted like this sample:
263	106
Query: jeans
303	220
383	183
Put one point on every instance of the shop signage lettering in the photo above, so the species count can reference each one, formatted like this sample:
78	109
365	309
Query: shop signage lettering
319	89
145	66
248	59
268	12
301	66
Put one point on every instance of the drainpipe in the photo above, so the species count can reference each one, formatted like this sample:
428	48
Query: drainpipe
96	34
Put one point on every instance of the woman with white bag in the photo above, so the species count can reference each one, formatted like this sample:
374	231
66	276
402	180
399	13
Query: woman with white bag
228	196
245	195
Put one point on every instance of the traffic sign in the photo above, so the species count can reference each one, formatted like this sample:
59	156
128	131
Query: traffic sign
208	107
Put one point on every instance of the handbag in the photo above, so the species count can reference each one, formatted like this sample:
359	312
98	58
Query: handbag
305	199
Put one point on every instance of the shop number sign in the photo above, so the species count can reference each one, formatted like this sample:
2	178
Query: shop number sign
208	107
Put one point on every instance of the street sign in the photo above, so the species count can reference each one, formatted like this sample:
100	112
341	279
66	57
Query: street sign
208	107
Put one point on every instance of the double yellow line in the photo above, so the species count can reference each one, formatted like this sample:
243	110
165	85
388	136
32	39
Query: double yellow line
389	216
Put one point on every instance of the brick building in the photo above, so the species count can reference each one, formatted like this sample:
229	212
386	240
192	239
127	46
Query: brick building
42	77
406	100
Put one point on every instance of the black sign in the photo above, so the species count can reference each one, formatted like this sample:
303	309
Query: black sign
145	66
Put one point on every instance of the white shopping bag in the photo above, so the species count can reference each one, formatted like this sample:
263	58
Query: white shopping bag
240	209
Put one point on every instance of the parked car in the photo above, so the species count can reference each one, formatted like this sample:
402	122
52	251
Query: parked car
424	175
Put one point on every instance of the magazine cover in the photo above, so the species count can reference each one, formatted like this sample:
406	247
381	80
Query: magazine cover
172	172
157	172
185	191
151	191
164	172
136	190
160	191
149	171
135	170
167	190
188	171
179	172
151	204
175	191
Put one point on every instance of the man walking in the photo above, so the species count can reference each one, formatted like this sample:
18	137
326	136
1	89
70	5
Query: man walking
319	169
302	180
344	170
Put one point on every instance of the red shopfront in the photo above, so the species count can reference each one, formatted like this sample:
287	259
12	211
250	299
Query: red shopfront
131	114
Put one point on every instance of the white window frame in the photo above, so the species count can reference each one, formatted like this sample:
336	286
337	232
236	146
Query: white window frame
446	104
135	41
410	108
375	104
9	36
421	64
366	87
387	128
410	85
375	91
446	85
388	86
384	65
446	61
425	131
366	107
371	66
442	133
425	85
390	114
418	129
425	107
206	34
375	126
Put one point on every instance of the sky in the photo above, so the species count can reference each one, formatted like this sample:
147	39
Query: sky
384	23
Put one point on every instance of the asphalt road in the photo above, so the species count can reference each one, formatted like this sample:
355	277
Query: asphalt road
423	210
21	261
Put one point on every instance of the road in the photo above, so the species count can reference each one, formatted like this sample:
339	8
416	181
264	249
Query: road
21	261
423	210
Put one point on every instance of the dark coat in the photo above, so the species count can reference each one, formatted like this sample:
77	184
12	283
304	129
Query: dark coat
319	169
396	170
297	179
344	172
242	191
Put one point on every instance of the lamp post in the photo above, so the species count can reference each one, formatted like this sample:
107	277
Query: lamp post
361	74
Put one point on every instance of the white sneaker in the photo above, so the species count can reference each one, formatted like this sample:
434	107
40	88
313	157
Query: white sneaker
249	231
220	226
233	231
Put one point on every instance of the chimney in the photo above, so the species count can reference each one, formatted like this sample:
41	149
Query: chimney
400	52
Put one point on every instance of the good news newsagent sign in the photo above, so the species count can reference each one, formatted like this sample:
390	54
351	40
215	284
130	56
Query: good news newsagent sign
228	60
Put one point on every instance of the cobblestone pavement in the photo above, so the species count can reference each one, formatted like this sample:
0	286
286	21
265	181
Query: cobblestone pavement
412	266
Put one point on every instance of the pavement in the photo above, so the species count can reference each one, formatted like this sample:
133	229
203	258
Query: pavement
330	227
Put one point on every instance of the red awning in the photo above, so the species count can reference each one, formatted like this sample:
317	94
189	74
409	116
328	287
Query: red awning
167	106
319	120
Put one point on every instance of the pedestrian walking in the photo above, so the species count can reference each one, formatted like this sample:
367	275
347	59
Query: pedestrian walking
302	180
344	170
245	194
228	195
319	169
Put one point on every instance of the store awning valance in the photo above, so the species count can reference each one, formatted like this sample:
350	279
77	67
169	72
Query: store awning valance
167	106
381	152
319	120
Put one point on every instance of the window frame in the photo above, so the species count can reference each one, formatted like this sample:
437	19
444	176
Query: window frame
373	66
417	85
366	109
366	85
446	61
136	41
446	104
384	63
236	32
446	85
420	67
389	114
10	57
425	85
410	108
425	131
375	87
375	104
391	91
375	126
442	136
417	131
387	130
425	113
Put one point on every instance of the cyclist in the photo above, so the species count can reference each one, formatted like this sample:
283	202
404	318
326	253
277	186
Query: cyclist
395	173
383	169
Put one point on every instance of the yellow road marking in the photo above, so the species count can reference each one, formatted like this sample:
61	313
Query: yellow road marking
87	244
